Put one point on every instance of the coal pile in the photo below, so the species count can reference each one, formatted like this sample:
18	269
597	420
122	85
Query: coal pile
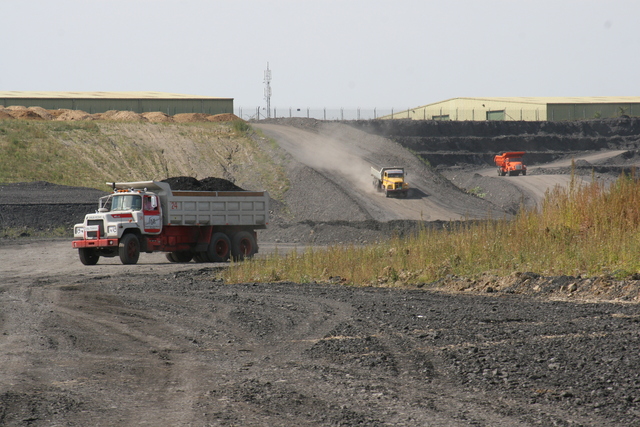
186	183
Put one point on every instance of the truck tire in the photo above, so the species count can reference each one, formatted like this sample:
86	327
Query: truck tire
88	256
201	257
180	256
243	246
129	249
219	248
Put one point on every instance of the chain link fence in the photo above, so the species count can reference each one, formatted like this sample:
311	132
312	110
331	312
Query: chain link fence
260	113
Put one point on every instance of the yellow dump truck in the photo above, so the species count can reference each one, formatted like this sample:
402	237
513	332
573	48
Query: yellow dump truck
390	180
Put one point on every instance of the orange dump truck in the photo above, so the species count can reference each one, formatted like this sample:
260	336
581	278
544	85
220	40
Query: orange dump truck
510	163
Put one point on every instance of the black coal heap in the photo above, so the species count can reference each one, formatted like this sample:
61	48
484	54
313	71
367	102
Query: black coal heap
187	183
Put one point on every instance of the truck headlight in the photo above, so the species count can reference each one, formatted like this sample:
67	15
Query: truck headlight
112	229
78	231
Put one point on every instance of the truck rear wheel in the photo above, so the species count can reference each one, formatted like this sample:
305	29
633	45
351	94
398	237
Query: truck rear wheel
200	257
243	245
88	256
180	256
129	249
219	248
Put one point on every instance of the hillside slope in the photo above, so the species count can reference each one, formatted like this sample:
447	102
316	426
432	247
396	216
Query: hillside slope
88	154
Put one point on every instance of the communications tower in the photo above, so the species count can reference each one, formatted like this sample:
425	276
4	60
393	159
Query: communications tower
267	90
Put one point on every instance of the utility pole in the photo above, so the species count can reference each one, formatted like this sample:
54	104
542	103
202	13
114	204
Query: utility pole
267	90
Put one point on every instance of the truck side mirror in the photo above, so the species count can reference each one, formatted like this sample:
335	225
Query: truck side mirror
154	202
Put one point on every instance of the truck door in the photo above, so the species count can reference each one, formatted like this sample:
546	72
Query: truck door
152	214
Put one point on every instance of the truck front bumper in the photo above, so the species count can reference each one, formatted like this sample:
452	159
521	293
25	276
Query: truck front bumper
95	243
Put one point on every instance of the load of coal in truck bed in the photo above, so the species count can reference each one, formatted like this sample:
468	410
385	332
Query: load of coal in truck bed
186	183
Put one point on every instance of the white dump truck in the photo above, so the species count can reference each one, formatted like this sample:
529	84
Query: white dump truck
147	216
390	180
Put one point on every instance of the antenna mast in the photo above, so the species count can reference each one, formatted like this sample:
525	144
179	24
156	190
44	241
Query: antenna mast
267	90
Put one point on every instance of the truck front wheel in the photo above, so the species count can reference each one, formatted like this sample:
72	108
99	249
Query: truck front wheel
88	256
219	248
243	246
129	249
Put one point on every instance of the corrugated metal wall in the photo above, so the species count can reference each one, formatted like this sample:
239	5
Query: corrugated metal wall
471	109
558	112
91	106
481	109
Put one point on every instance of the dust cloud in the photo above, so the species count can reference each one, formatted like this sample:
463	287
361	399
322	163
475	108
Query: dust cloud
331	155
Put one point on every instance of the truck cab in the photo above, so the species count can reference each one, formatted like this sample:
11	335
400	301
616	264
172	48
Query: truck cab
393	181
137	212
390	180
121	211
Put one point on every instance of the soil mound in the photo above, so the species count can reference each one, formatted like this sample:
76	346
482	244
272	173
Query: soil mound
74	115
41	112
227	117
107	115
186	183
157	117
125	116
190	117
25	115
56	113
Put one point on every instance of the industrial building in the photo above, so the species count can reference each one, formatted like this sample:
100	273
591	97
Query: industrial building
524	108
100	102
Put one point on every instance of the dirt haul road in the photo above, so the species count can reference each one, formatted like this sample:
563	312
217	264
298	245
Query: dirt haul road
535	184
343	156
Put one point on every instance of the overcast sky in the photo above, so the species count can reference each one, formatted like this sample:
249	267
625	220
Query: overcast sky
324	53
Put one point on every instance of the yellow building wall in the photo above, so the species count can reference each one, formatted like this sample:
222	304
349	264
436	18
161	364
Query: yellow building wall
523	108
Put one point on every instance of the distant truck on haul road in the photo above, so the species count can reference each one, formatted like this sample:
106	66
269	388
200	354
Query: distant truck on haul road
147	216
510	163
390	180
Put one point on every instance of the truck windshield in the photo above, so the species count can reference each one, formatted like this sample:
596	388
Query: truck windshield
395	175
126	202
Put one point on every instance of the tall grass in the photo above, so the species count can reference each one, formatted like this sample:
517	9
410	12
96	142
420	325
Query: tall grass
583	229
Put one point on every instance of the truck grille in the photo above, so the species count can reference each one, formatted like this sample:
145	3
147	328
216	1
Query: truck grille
94	234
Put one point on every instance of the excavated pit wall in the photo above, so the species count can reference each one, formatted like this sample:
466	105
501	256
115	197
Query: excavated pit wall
453	143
